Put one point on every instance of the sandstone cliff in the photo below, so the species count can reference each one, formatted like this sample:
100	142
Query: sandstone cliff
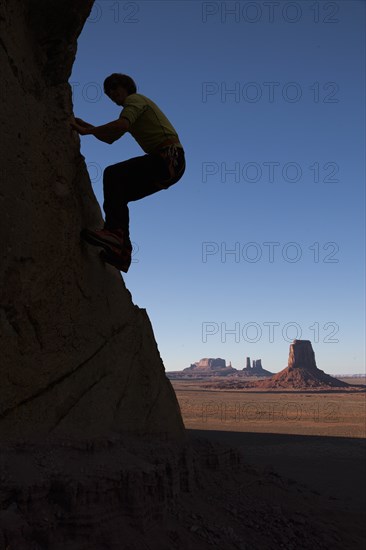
77	357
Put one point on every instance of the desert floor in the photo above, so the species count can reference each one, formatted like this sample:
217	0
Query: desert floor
332	413
315	440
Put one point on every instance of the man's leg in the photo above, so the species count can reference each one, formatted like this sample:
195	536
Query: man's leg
128	181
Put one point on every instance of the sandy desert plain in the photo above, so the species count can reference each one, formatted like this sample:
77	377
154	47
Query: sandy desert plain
334	412
313	439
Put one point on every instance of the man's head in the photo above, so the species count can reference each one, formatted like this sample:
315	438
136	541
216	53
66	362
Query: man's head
118	86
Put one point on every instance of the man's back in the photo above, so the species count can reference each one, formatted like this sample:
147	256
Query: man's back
148	124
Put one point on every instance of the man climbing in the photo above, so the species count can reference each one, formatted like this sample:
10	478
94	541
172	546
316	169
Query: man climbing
162	165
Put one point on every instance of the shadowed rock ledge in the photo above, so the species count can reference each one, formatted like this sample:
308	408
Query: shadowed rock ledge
78	358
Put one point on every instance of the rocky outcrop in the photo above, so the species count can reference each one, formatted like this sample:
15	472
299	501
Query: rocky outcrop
301	371
77	358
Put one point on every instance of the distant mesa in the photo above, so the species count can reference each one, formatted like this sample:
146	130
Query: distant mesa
210	367
301	371
208	363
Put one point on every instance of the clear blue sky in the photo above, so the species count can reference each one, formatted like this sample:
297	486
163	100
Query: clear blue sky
275	173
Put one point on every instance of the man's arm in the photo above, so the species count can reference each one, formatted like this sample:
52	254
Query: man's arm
108	133
111	131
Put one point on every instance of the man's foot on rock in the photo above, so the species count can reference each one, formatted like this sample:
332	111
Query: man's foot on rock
104	237
121	259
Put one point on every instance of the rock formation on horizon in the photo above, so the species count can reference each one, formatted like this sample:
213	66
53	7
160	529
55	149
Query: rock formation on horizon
77	358
256	369
301	371
209	363
208	366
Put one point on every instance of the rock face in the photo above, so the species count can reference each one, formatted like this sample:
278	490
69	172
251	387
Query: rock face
301	371
77	358
302	356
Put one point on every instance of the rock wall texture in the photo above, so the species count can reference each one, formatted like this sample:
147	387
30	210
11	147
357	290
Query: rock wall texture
77	358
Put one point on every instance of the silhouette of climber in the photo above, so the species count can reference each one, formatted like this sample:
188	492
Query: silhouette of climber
162	165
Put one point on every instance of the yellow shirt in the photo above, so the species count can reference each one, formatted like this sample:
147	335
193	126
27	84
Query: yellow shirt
148	124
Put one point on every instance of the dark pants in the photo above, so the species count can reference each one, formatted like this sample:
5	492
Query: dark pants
136	178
